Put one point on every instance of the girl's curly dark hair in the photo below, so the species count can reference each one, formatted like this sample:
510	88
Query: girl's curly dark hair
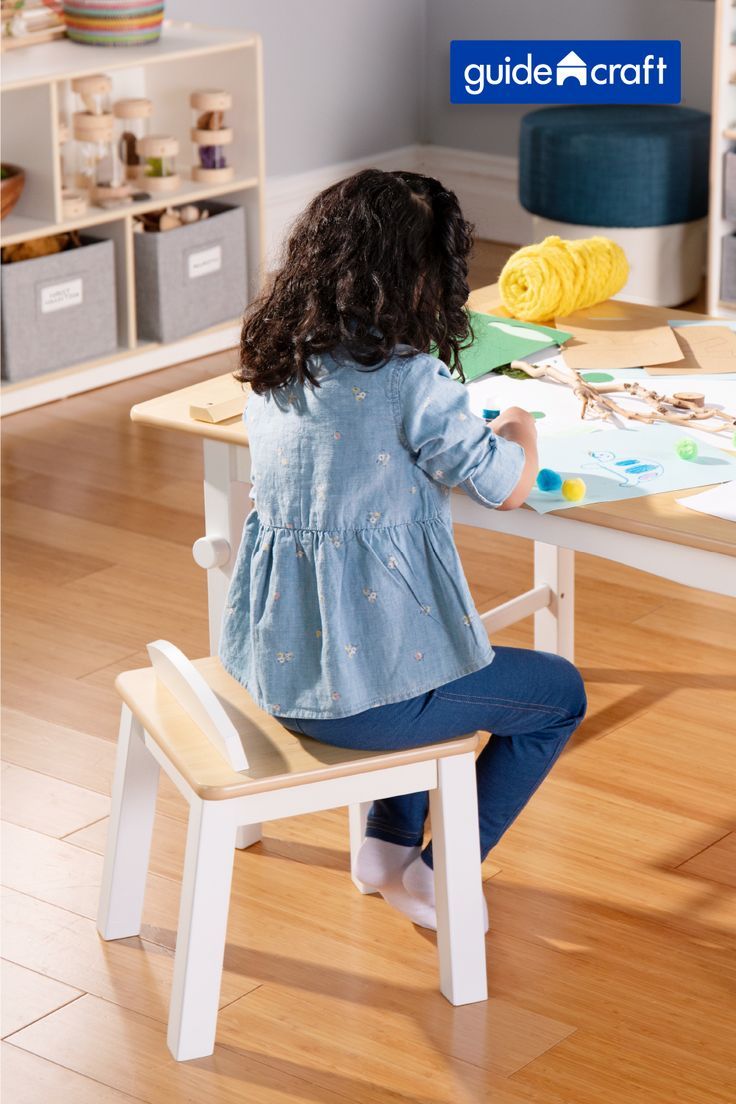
377	260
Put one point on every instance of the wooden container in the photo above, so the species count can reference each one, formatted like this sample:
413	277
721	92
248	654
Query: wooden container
158	172
11	188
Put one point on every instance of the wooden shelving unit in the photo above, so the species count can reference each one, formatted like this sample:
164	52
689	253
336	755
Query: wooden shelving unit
35	91
723	139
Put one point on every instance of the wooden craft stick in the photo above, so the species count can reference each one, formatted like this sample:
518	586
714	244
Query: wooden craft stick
219	411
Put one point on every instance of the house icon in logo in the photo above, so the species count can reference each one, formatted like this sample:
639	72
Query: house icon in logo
572	66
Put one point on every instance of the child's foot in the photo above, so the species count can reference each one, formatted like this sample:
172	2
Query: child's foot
378	862
418	880
417	911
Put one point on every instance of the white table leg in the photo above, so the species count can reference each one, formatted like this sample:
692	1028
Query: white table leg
458	884
202	930
226	472
129	833
554	626
225	509
357	816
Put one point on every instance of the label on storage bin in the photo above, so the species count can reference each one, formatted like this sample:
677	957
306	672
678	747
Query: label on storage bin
205	261
60	296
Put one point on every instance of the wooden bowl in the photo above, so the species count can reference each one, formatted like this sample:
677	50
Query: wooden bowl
10	189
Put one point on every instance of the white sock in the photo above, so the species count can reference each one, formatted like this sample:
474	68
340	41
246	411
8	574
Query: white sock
417	911
379	862
418	880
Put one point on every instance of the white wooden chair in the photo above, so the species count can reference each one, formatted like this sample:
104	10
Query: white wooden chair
236	765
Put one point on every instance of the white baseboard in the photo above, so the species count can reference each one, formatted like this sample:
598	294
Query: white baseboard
287	196
486	186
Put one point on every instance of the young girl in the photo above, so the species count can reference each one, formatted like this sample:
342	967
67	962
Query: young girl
349	617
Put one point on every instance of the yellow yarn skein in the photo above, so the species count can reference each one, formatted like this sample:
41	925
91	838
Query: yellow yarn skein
556	277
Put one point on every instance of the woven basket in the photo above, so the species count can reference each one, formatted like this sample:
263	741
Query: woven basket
113	22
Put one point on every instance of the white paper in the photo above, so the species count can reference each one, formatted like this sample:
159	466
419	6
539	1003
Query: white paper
718	501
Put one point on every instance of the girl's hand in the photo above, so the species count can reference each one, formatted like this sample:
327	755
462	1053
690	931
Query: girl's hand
513	416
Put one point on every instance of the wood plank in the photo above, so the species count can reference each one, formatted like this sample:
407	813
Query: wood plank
28	996
716	863
27	1079
60	700
59	645
133	973
130	1054
137	551
637	1069
122	510
47	804
494	1036
75	757
715	626
664	760
26	560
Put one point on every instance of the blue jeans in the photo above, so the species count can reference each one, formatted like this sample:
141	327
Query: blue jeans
530	701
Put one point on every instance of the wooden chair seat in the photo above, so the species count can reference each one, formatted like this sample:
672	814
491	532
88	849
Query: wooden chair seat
277	757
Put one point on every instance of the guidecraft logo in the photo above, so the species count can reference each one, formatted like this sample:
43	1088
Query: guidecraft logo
592	72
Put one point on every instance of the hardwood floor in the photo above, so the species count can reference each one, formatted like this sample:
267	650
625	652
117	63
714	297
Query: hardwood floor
610	954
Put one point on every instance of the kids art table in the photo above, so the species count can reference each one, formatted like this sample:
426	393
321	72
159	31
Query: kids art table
653	533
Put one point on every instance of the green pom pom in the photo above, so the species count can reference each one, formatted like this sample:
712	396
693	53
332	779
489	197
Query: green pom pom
549	480
686	449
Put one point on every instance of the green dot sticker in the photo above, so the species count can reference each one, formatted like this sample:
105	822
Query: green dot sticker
597	377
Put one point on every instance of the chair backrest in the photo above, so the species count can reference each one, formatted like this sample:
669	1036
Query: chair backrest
182	679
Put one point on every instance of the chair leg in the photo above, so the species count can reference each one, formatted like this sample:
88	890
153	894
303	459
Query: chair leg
129	833
457	879
357	816
202	929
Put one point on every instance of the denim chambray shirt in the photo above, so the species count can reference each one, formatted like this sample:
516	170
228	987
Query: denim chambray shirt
348	590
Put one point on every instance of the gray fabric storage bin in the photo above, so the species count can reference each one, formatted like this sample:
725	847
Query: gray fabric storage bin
192	277
58	310
729	186
728	268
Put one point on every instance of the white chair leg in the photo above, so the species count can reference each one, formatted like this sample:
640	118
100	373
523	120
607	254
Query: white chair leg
357	816
554	626
202	929
129	833
457	880
248	834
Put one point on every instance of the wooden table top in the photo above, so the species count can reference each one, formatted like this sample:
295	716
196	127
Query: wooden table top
658	516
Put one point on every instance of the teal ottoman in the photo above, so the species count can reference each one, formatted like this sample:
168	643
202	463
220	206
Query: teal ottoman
636	174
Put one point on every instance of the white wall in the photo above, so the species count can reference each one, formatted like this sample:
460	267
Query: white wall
342	78
490	129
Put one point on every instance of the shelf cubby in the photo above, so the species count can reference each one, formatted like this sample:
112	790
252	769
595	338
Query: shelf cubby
36	92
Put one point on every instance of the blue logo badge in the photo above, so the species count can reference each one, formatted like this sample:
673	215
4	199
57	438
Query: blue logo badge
562	72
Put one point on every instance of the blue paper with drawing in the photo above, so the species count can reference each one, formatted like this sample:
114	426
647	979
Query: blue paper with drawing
621	464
